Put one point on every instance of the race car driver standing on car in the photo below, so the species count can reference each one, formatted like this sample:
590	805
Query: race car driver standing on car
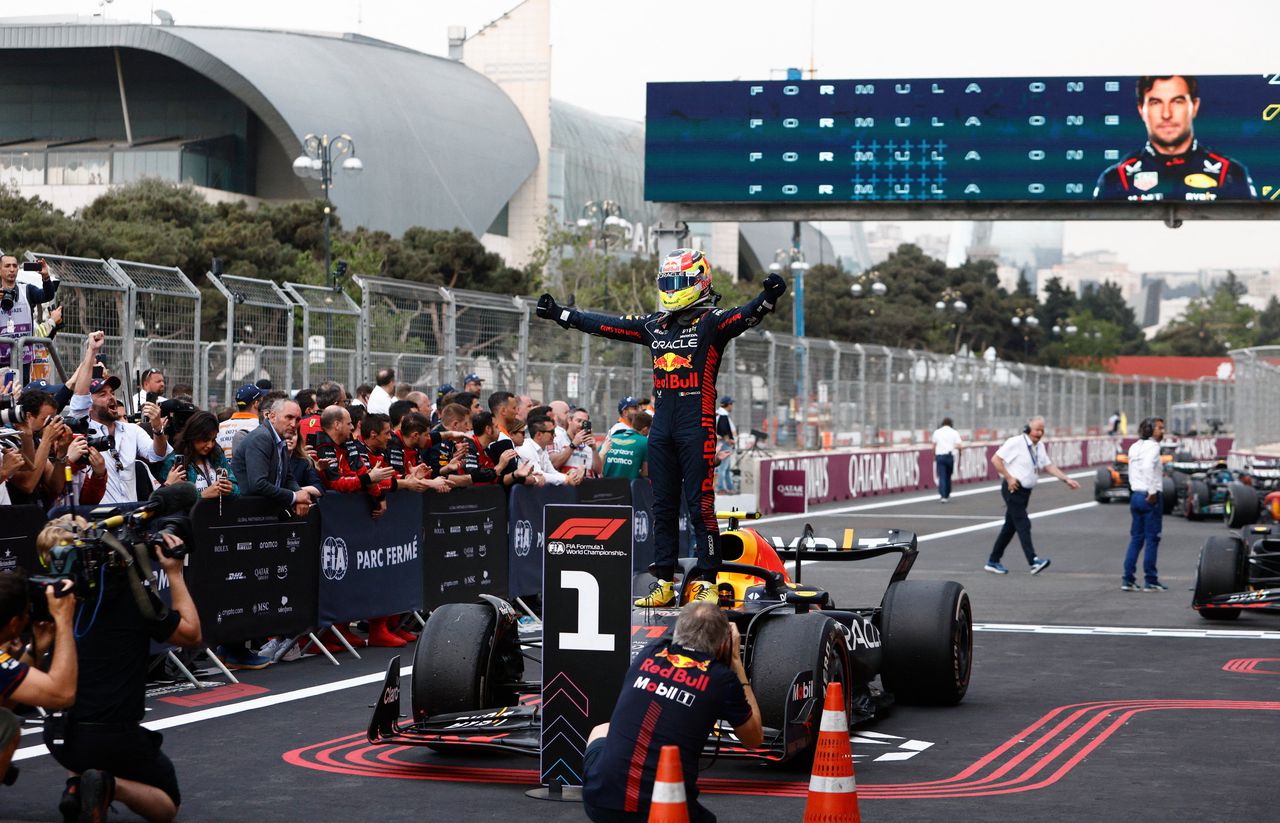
686	338
1173	165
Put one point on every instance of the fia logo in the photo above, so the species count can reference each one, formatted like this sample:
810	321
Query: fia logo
523	538
333	558
555	547
641	526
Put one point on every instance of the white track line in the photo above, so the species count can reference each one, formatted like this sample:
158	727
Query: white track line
406	671
884	504
248	705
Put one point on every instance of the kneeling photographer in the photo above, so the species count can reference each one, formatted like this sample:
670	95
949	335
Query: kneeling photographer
100	739
20	680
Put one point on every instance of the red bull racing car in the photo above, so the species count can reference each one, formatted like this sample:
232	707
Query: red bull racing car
1238	571
469	687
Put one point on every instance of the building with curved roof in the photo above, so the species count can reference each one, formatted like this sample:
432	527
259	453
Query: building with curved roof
86	106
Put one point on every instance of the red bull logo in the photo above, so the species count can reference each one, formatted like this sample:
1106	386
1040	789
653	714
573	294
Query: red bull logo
680	661
670	361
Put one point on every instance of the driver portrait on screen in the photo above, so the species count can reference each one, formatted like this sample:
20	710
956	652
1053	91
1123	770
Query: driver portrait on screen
1173	165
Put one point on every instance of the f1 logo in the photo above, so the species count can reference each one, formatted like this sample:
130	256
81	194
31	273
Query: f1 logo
599	528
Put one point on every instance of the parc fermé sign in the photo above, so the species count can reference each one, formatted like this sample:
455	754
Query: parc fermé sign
833	476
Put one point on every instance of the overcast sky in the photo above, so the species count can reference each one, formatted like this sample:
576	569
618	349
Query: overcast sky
604	51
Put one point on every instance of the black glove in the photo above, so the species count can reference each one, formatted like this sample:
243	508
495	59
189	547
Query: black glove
774	286
548	308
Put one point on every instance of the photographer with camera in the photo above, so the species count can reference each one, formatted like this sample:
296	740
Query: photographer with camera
100	739
20	680
17	305
38	426
125	443
621	759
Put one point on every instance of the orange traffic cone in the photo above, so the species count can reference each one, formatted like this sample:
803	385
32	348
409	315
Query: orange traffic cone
833	791
668	804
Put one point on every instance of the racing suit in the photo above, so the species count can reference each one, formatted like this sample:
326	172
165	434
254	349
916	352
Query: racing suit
1196	174
686	346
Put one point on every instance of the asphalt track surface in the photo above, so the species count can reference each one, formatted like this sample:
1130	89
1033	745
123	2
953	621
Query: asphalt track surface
1086	703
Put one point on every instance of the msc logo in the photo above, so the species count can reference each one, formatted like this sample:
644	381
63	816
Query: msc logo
523	537
641	526
555	547
598	528
333	558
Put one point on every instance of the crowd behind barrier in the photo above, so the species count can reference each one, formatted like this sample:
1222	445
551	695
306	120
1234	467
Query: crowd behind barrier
257	570
805	393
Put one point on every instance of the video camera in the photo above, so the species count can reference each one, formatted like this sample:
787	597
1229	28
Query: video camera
121	543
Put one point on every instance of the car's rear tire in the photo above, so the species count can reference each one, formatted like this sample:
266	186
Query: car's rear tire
1220	570
456	666
1169	494
1197	498
784	645
927	635
1242	506
1101	484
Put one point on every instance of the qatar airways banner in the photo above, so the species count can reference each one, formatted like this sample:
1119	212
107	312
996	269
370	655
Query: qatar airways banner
832	476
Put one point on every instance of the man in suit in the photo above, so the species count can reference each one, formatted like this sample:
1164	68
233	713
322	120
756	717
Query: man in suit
262	457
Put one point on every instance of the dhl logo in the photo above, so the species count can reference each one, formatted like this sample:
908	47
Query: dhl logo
670	361
680	661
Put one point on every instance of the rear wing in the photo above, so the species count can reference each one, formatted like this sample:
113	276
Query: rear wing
856	544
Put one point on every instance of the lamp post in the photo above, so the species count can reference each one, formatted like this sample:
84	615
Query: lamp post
603	218
316	162
1026	320
868	284
950	300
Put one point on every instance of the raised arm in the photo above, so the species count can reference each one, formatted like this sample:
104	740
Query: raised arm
629	328
736	321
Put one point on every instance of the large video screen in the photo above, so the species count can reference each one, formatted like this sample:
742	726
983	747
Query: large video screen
1050	139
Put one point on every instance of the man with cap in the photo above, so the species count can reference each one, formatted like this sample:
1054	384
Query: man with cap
445	390
627	408
727	434
131	443
244	420
472	383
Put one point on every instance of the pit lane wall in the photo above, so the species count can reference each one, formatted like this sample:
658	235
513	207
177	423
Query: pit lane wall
848	475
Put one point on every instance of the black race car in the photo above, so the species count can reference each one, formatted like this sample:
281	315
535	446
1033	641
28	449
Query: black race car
1255	497
915	645
1238	571
1201	487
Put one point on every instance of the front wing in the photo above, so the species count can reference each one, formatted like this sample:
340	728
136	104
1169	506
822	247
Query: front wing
519	728
1255	599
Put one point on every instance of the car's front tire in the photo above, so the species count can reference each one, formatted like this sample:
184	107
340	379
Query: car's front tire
927	635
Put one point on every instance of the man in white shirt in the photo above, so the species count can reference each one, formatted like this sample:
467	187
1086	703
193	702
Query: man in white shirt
132	443
946	450
1019	462
151	382
381	397
534	451
1145	507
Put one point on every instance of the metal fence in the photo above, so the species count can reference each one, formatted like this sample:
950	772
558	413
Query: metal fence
259	341
807	393
1257	395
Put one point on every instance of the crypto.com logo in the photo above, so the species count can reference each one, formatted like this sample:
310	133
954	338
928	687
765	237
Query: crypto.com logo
597	528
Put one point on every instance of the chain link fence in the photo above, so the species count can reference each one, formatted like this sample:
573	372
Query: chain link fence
259	337
165	321
1257	396
330	336
800	393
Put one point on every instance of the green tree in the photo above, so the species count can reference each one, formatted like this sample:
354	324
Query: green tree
1209	327
1107	304
1268	324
